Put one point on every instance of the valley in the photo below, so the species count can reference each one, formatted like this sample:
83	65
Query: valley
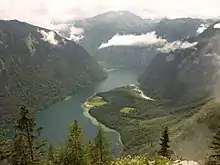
115	74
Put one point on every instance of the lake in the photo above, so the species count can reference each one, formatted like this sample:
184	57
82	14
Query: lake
57	118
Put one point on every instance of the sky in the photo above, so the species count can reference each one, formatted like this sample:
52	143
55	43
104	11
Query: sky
43	12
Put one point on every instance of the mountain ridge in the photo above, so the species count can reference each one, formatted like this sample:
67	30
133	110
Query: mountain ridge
189	70
39	67
100	29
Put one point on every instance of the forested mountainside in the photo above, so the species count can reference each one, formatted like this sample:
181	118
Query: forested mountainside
39	67
140	121
188	74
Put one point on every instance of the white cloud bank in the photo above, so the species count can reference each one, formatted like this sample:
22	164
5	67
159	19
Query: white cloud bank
75	34
217	26
217	56
202	28
136	40
147	39
168	47
76	31
49	37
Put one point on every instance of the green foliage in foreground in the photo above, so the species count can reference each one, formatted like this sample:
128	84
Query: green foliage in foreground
214	157
75	150
26	149
164	150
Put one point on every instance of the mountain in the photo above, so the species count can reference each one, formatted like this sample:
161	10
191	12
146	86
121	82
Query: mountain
101	28
188	74
179	90
119	19
177	29
38	67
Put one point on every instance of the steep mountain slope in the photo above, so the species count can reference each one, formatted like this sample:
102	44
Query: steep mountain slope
103	27
177	29
185	75
38	67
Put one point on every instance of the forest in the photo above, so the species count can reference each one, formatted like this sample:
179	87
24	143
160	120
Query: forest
25	147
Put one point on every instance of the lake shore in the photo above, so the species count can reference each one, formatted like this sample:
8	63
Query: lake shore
57	118
94	121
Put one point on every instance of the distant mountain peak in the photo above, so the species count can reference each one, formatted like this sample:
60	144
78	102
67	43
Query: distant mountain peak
119	18
119	12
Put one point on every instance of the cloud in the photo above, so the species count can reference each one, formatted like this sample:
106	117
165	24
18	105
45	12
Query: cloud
136	40
168	47
49	37
217	26
75	38
202	28
59	27
75	34
76	31
217	56
43	12
147	39
66	27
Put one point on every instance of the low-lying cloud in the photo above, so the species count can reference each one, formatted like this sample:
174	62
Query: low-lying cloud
168	47
74	33
147	39
134	40
49	37
217	26
202	28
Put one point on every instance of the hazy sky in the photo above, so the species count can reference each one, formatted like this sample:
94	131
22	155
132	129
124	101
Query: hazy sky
42	12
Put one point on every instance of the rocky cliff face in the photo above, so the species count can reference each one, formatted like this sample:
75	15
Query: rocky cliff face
188	74
39	67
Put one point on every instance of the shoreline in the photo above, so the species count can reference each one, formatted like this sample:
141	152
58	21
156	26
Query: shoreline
106	129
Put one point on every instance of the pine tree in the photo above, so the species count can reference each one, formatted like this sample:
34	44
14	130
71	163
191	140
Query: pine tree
26	147
102	149
91	151
164	150
50	152
5	151
214	158
74	153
